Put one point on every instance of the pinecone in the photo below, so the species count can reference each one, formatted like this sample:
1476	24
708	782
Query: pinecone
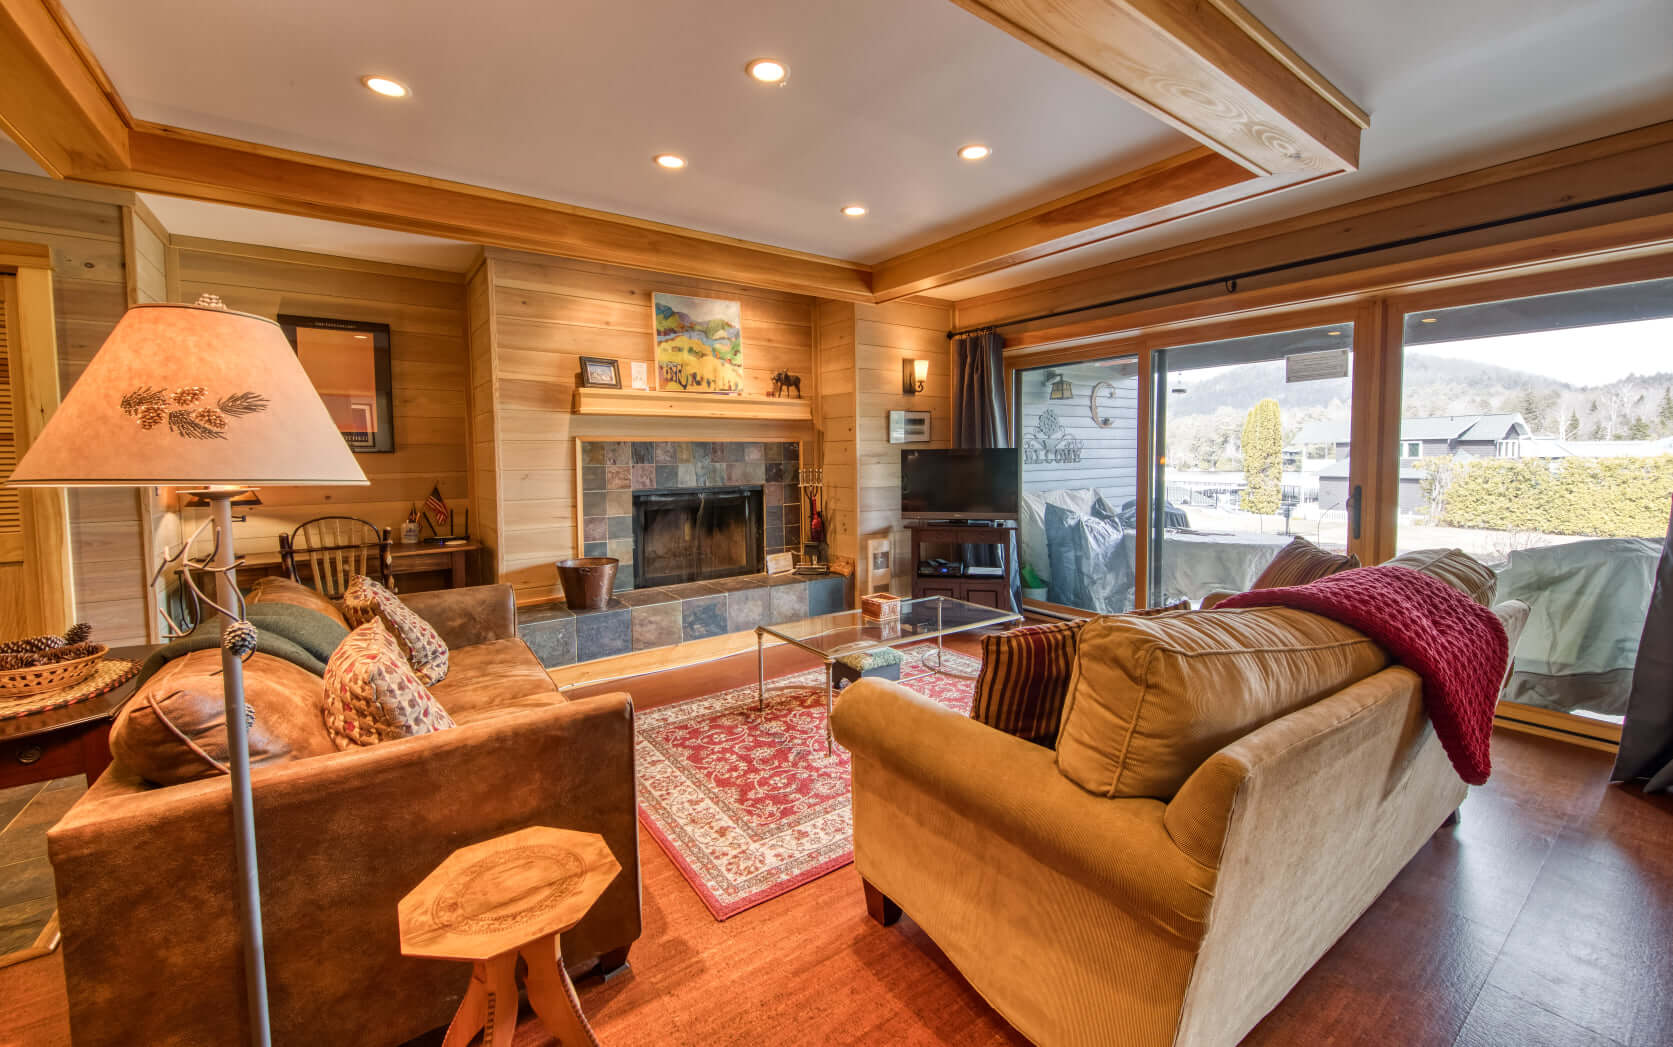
151	416
80	632
32	645
187	395
210	417
240	639
14	661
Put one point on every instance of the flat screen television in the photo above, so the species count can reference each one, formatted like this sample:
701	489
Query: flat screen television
959	485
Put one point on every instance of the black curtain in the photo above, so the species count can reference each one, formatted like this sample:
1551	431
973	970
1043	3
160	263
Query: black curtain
981	420
1647	736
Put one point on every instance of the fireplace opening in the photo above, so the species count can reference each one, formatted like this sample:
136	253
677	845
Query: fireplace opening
689	536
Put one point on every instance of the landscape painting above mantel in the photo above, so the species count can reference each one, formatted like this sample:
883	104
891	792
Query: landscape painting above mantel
699	343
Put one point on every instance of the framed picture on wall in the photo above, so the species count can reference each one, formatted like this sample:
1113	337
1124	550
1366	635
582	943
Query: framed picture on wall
348	362
879	565
599	372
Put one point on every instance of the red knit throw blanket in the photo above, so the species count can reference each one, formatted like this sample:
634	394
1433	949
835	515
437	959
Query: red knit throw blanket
1456	645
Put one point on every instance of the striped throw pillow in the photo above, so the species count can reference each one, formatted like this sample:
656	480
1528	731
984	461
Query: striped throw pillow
1301	562
1025	678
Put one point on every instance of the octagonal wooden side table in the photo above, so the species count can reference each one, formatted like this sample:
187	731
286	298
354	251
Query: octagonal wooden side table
507	897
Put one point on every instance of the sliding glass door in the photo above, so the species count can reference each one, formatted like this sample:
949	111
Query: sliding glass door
1078	428
1253	435
1536	434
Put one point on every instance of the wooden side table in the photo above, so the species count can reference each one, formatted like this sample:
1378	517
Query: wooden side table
495	901
62	742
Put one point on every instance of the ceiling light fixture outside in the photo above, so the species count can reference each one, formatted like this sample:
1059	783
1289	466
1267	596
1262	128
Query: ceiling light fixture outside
670	161
1429	320
974	151
768	71
383	85
854	211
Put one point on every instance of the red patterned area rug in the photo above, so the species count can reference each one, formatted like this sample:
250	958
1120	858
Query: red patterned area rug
748	804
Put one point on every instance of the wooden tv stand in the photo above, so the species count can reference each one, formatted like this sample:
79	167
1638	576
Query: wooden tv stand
989	590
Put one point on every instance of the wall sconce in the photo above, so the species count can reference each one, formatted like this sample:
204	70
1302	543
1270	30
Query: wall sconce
1061	387
913	373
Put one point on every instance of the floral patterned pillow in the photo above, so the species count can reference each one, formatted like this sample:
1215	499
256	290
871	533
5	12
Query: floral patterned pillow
373	695
365	600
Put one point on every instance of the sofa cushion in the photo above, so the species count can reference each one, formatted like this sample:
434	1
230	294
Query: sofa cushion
365	600
1301	562
500	672
276	589
1154	696
1456	568
373	695
173	730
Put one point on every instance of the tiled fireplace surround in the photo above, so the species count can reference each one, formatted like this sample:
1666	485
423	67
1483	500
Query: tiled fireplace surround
640	619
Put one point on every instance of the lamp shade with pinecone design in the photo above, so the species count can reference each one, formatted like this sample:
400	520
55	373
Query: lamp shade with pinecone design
191	395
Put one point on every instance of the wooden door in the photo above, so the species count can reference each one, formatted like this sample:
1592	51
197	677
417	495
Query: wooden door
36	595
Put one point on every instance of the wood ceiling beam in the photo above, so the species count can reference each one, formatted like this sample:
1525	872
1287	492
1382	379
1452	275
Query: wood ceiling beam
54	102
1208	67
223	170
1188	184
1607	179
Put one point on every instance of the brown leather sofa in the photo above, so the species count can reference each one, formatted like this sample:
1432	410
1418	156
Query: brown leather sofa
145	874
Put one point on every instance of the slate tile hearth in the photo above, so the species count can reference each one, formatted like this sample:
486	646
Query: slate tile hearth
646	618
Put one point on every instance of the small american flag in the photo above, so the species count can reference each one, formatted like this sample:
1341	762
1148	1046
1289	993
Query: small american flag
435	507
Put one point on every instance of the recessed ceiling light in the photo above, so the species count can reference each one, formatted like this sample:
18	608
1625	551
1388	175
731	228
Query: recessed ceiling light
670	161
768	70
853	210
383	85
974	151
1429	320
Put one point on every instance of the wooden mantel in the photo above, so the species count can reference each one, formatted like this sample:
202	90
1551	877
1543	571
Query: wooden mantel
668	403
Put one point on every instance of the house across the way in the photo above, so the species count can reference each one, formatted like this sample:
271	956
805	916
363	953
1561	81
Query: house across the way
1472	435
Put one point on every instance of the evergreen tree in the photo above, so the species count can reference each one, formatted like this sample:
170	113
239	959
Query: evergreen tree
1638	430
1263	458
1665	414
1572	430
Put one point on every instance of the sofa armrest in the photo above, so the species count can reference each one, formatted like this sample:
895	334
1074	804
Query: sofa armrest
145	877
472	615
1014	788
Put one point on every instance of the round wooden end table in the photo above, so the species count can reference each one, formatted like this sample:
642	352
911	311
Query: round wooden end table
510	896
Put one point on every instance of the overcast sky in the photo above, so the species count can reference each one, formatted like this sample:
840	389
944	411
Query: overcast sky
1583	356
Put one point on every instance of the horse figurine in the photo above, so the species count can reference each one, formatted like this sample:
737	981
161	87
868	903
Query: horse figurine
785	381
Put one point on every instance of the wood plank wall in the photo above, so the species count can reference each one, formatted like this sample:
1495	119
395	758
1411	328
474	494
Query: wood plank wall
84	229
547	312
885	337
425	310
485	455
861	352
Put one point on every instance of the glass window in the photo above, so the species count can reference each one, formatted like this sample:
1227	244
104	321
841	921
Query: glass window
1551	424
1254	436
1079	433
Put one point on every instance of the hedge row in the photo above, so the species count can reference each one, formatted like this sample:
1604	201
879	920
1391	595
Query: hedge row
1605	497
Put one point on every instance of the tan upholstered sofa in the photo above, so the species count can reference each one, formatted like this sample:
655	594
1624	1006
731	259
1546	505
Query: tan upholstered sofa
145	874
1171	869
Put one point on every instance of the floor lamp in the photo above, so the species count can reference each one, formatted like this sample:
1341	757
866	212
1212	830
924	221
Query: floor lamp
198	397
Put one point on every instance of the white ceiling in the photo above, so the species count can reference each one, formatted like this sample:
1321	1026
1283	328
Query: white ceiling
569	101
1451	85
881	92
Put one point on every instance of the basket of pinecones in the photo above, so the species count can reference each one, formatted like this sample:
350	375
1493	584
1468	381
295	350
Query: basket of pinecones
47	663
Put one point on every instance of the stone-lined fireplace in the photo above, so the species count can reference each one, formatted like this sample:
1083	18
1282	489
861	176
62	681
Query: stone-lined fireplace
614	472
696	534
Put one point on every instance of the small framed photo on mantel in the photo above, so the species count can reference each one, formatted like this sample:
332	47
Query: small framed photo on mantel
600	372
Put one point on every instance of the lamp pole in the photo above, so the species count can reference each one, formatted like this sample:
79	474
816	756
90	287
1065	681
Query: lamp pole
238	753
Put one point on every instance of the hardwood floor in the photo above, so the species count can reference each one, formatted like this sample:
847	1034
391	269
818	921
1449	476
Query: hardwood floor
1543	919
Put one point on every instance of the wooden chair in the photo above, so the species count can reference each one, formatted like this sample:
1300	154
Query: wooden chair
336	548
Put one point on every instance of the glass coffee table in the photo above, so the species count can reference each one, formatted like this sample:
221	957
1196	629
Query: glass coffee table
833	636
